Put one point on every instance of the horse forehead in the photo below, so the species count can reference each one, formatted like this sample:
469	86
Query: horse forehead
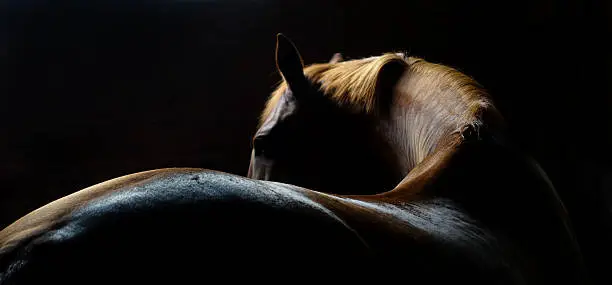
284	108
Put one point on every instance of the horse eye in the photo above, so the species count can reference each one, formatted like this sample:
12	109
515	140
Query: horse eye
259	151
259	145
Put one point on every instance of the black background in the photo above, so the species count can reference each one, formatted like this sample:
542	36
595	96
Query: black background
91	91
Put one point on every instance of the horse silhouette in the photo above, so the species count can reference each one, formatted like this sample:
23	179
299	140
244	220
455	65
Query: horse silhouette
386	167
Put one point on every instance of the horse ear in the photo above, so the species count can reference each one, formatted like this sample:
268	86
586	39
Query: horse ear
289	62
336	58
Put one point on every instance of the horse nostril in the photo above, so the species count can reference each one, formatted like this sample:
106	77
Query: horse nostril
266	176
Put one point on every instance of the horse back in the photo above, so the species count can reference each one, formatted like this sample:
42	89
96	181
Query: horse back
53	213
171	224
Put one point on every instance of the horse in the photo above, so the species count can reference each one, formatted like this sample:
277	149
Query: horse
394	131
188	225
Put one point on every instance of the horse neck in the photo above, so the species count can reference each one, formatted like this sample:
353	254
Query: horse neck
424	118
506	193
482	174
425	126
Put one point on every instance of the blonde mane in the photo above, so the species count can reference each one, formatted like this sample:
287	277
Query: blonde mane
350	83
353	84
466	100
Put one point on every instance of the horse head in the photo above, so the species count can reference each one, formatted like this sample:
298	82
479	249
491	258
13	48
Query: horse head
308	139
